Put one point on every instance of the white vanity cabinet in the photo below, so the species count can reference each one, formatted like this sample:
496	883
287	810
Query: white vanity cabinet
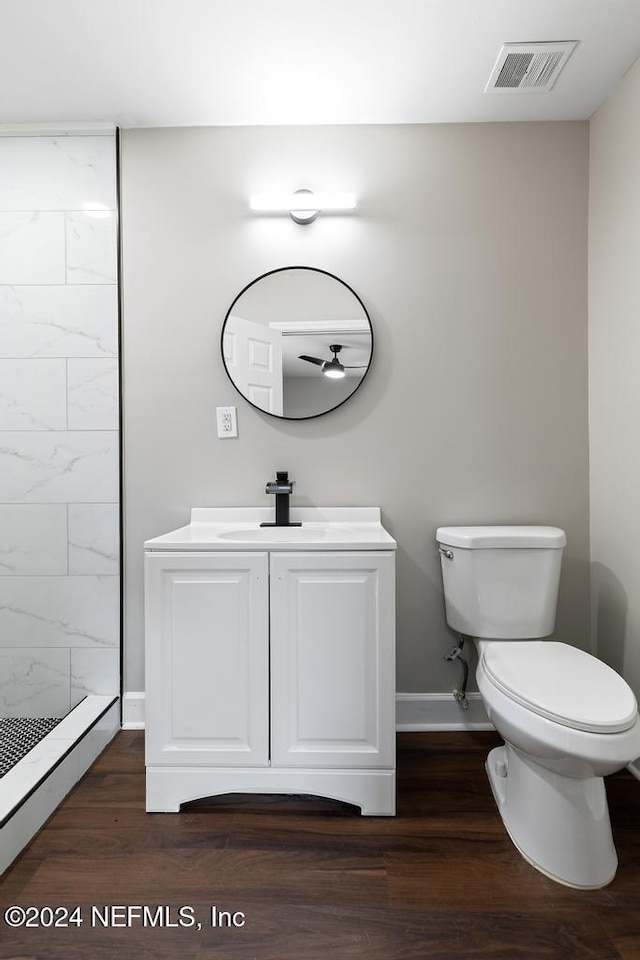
332	660
207	656
271	670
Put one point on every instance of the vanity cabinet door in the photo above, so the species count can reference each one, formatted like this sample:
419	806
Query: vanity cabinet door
207	659
333	659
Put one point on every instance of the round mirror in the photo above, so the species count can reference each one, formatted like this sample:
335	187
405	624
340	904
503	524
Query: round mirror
297	342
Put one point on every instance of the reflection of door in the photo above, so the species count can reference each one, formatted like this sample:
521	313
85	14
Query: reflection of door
253	355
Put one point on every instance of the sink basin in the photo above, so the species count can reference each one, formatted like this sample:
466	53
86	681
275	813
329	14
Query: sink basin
275	534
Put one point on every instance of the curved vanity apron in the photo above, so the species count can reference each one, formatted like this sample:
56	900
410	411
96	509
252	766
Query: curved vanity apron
562	683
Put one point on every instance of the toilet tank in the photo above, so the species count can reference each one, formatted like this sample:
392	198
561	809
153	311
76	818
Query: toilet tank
501	582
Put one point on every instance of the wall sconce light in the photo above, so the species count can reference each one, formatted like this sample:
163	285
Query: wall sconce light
303	206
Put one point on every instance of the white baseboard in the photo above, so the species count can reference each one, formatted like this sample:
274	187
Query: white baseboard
414	711
133	711
440	711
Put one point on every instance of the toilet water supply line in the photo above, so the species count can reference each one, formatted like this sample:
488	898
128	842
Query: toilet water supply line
460	693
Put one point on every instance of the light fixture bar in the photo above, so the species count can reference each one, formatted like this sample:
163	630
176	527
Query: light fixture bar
286	202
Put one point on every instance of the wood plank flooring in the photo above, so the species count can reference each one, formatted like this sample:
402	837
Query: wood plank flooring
311	879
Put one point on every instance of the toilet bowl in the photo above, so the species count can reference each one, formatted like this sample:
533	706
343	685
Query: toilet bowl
567	719
547	779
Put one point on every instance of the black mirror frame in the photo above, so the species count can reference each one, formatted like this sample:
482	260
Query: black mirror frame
269	273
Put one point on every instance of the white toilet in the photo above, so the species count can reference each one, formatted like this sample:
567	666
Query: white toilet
567	719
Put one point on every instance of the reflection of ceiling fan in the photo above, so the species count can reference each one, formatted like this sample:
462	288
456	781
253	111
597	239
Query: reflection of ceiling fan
333	368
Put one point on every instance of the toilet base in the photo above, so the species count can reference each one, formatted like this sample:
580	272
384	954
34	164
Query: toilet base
559	824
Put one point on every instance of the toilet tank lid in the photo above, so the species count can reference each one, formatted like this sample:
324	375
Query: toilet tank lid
478	538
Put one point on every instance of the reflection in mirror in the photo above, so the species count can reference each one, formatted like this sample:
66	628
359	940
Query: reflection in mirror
297	342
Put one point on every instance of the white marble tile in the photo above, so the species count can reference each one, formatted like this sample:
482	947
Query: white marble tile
57	173
34	682
59	611
31	815
92	396
94	538
92	745
91	248
33	539
32	248
78	466
33	394
59	321
94	671
38	761
81	716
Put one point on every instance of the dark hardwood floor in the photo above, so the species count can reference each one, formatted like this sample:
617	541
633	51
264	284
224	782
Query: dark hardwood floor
311	879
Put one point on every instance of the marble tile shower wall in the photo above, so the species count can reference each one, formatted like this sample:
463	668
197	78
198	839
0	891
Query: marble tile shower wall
59	517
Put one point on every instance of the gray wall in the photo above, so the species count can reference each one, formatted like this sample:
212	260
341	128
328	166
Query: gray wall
306	395
614	352
469	250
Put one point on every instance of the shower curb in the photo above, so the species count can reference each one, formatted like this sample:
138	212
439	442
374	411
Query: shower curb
33	788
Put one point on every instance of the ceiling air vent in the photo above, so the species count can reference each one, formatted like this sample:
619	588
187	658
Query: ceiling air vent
529	67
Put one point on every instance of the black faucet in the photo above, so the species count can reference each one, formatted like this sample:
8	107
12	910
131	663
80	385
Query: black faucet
283	488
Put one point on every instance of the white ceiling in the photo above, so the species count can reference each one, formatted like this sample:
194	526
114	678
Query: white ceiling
194	62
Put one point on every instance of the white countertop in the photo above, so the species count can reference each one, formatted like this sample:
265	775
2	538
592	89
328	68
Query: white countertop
238	528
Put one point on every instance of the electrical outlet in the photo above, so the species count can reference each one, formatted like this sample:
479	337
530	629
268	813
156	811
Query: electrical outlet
227	422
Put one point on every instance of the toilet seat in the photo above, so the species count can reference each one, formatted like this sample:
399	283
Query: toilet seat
562	683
